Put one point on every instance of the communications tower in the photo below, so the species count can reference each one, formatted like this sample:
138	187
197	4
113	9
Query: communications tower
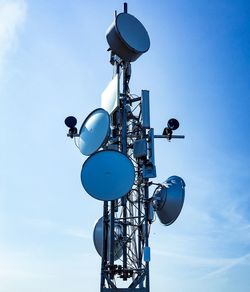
119	142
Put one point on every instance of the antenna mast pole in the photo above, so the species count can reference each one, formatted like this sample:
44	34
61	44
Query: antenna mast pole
132	209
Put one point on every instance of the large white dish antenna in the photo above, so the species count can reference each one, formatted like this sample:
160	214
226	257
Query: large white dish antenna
94	131
98	239
168	199
107	175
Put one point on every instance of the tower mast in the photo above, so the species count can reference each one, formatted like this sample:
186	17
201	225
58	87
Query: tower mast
119	140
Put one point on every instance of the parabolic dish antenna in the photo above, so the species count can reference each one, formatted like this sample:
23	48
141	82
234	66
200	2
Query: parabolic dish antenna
98	239
127	37
168	200
107	175
94	131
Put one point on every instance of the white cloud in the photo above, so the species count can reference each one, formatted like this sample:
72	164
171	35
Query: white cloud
12	17
41	225
77	232
229	264
216	265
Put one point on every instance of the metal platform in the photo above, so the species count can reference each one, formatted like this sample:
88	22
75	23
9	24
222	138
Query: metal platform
125	290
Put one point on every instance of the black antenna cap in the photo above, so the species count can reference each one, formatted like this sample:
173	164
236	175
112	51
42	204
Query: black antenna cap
70	122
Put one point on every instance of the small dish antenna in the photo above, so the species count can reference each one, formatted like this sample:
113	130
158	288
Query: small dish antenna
94	132
71	122
173	124
107	175
168	199
98	238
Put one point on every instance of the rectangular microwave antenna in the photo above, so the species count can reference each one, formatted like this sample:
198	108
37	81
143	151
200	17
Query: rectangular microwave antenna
110	96
145	109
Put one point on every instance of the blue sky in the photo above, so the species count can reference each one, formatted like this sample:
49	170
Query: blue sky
53	63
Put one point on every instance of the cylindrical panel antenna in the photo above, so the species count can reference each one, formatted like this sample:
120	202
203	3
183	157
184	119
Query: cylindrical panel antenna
145	109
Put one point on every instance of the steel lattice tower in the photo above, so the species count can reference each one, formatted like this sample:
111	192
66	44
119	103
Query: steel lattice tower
131	211
121	130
